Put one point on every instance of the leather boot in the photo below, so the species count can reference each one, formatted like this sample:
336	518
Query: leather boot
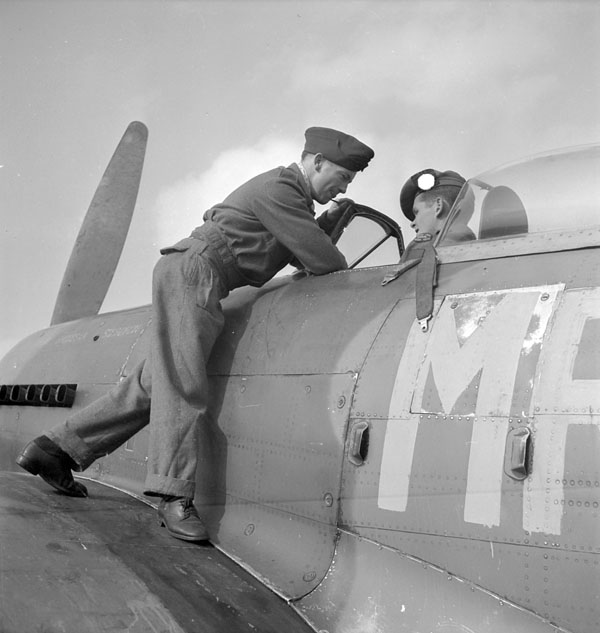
181	519
45	458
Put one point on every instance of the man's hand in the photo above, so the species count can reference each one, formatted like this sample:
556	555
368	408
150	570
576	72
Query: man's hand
338	215
337	209
301	274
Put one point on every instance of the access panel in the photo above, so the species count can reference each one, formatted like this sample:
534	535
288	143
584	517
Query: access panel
272	468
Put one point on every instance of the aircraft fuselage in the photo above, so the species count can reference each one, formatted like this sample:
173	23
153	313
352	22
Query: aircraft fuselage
342	437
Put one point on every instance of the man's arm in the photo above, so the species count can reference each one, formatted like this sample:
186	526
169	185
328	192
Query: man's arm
283	212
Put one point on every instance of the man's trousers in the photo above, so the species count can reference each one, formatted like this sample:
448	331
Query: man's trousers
169	388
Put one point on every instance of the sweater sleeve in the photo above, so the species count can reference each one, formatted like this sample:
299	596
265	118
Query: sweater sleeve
283	211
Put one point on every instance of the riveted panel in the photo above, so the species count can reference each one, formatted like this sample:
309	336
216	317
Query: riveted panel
565	481
422	475
568	381
313	325
518	559
482	354
448	405
394	592
55	355
273	468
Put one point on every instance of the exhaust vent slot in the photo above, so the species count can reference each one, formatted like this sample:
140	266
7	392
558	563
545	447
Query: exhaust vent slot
59	395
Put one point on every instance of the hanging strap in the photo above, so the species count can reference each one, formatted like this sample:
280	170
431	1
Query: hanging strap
426	282
402	268
421	254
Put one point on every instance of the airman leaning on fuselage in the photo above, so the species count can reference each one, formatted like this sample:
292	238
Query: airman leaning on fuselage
262	226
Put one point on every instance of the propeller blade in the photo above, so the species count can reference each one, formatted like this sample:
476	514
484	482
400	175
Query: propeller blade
99	244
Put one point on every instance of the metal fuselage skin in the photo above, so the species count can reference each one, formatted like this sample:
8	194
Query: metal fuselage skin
380	477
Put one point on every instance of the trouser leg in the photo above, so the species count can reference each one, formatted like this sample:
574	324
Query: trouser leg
108	422
187	319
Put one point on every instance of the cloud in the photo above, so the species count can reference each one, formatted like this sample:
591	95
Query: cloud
506	71
180	207
426	84
419	58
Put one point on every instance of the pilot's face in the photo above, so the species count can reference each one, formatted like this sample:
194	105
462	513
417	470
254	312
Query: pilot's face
328	180
426	216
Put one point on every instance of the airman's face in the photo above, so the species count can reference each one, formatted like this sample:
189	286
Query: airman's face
328	180
426	216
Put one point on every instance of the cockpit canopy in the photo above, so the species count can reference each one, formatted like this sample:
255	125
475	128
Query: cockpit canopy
551	192
548	202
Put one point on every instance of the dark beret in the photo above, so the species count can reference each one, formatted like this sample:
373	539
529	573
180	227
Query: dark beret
341	149
426	180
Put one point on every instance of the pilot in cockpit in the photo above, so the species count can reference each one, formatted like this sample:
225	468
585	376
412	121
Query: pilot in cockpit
426	199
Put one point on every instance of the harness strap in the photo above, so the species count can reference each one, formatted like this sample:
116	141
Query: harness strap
426	282
421	254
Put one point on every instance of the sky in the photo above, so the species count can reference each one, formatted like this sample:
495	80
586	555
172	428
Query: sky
227	88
